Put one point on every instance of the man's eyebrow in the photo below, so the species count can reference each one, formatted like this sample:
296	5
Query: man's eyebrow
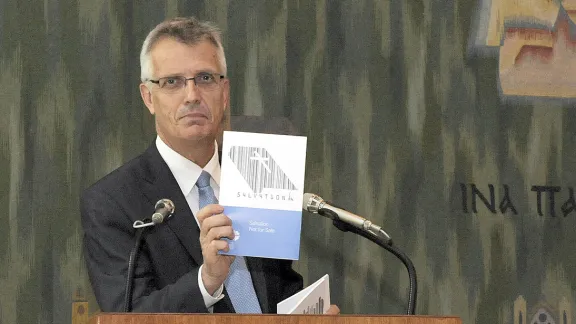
206	71
172	75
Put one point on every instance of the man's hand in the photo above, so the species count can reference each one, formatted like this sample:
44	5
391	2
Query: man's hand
213	226
333	310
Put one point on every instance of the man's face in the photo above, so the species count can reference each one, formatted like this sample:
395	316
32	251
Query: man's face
191	113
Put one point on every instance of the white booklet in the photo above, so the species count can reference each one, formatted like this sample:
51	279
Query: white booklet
315	299
261	188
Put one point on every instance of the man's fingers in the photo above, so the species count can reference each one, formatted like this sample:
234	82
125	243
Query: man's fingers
208	211
217	245
216	233
215	221
333	310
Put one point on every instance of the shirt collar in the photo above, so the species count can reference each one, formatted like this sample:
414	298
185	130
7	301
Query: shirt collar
185	171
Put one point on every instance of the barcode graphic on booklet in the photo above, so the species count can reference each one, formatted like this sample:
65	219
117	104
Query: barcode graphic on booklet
318	308
259	169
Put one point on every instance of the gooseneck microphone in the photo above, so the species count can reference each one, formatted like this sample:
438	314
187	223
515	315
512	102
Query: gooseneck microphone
163	210
349	222
314	204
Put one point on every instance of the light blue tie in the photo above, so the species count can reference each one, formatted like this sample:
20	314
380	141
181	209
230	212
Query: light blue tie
239	282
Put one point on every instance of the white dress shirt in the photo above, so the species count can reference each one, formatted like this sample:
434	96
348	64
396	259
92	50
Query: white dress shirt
187	173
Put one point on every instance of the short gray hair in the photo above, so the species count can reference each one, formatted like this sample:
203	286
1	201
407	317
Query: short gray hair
189	31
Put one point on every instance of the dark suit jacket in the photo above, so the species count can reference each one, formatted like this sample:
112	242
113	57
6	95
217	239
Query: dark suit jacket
166	275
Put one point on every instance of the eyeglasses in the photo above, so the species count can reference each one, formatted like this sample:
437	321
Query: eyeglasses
204	81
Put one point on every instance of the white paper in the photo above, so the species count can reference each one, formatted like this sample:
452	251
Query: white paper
315	299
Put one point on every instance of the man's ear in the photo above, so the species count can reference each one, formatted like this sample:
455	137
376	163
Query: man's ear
146	95
225	123
226	94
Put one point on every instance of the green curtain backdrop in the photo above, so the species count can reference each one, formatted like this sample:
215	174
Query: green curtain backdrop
405	123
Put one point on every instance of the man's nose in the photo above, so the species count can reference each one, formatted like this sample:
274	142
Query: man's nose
192	91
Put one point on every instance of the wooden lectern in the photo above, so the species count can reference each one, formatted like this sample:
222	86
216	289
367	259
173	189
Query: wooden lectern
135	318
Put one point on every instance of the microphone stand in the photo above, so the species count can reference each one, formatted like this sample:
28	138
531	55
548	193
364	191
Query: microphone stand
131	266
163	210
345	227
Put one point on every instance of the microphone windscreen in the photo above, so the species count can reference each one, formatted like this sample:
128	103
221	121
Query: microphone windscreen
306	201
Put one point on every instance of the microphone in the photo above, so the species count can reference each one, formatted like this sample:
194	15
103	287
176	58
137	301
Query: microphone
314	204
164	208
349	222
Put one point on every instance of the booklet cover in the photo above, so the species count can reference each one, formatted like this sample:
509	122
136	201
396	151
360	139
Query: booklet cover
315	299
261	187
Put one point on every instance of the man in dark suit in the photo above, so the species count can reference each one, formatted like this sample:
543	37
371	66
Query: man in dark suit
184	86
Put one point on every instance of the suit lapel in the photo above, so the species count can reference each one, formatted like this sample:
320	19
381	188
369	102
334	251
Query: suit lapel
160	183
